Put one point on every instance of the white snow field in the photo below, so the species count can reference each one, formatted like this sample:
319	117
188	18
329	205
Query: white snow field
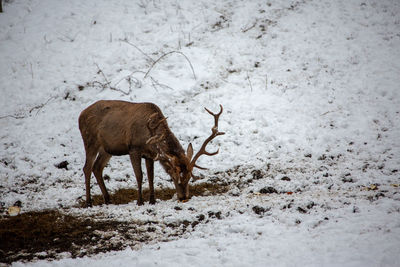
311	154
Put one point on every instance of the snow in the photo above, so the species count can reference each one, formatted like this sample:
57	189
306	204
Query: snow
310	91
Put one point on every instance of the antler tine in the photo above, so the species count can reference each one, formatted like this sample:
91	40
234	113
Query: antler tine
214	134
216	116
201	168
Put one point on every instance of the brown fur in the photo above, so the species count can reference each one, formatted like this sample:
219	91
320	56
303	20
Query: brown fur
114	128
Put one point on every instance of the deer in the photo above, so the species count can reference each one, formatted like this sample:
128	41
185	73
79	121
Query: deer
140	130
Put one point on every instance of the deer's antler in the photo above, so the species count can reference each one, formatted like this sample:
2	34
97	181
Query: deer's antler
214	133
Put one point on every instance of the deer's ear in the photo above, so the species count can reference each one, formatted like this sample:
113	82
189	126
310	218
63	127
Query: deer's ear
189	151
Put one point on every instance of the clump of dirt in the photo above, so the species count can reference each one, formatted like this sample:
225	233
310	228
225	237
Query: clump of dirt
268	190
126	195
260	210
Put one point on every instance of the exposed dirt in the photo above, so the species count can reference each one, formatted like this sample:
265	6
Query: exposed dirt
47	234
25	235
126	195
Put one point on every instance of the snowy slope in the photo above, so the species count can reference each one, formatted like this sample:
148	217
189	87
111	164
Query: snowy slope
310	91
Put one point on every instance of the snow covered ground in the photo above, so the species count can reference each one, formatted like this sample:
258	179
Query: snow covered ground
310	89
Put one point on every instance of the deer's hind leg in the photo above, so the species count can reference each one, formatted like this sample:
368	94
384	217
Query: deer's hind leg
101	161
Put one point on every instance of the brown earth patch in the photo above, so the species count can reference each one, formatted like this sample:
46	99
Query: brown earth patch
52	232
47	234
126	195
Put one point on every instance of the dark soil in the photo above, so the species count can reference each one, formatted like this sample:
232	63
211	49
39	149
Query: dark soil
124	196
26	234
46	234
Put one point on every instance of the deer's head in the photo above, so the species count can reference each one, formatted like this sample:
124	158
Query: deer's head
180	165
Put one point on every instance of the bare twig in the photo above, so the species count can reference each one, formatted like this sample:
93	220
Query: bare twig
92	84
109	83
39	107
155	82
69	38
330	111
248	79
249	28
166	54
13	116
140	50
130	75
102	73
327	112
22	116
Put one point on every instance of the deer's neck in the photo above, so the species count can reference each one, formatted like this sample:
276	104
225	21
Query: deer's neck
173	147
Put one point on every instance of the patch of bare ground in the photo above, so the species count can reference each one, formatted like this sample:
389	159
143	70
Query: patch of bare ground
126	195
50	233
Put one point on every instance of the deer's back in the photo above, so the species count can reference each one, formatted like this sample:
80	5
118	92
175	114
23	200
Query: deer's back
116	125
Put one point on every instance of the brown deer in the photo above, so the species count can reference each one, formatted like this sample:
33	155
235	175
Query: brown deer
140	130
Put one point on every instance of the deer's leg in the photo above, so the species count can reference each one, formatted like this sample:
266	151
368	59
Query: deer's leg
150	176
137	168
87	170
98	167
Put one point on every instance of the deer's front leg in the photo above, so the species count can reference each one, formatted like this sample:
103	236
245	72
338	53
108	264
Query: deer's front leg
150	176
137	168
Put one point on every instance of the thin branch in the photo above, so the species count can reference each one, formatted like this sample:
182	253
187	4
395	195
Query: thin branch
155	82
102	73
109	83
39	107
325	113
169	53
13	116
23	116
330	111
130	75
248	79
140	50
69	38
251	27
